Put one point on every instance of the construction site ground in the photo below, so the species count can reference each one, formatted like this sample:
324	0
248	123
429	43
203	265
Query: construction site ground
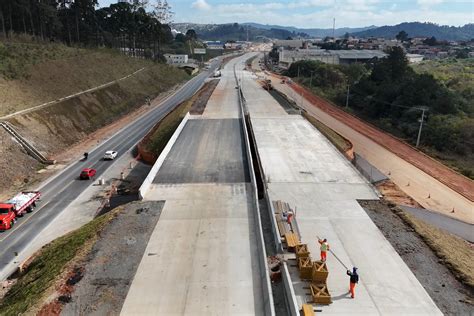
205	254
427	190
303	168
97	283
449	294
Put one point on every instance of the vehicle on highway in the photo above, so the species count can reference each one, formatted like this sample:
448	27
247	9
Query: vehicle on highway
7	219
87	173
17	206
110	155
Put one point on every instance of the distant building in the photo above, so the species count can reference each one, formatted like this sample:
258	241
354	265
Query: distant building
357	56
414	58
290	44
287	57
174	59
336	57
214	45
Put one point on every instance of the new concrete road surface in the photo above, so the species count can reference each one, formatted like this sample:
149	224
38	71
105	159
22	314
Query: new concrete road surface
207	151
64	188
303	168
202	258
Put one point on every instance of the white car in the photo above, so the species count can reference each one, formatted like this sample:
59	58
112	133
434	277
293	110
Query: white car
110	155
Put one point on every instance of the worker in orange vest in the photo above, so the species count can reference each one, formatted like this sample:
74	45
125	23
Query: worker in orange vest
289	217
324	248
353	281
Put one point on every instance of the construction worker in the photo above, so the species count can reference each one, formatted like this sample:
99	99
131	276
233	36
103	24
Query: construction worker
289	217
353	280
324	248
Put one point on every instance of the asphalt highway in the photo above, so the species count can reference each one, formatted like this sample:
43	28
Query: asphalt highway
65	187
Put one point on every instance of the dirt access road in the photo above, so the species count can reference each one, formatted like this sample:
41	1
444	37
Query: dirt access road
388	155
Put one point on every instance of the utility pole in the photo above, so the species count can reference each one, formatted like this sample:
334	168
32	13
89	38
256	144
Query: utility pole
334	29
347	96
421	126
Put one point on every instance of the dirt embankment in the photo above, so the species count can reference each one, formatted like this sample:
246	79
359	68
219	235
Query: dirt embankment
55	128
445	287
11	151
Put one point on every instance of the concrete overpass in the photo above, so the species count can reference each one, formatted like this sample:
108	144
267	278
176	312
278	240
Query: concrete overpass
205	256
300	166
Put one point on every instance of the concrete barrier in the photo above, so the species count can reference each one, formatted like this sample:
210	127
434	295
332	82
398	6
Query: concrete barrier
268	302
271	209
290	292
154	170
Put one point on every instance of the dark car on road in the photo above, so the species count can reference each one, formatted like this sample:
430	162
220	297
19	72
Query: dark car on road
87	174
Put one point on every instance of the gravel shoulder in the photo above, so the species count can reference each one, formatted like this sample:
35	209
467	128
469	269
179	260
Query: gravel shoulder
111	265
449	294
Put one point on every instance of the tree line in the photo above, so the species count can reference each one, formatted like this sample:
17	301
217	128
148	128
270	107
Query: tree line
389	93
79	22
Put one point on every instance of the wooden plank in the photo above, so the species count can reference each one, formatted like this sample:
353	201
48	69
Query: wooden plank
291	240
282	227
308	310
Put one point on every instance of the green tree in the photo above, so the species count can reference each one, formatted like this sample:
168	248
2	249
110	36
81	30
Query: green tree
191	35
402	36
431	41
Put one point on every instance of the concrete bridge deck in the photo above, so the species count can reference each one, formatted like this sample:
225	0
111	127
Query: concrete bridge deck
303	168
202	258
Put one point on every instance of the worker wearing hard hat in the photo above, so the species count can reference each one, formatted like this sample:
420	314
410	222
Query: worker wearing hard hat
324	248
353	280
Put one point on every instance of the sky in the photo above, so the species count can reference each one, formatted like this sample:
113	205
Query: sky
320	13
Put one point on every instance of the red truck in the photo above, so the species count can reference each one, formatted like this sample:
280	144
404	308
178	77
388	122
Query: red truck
17	206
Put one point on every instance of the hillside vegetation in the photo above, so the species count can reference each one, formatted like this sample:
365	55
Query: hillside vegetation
51	71
417	29
34	73
236	32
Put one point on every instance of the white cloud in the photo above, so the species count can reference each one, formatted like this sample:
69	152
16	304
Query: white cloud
429	2
320	13
201	5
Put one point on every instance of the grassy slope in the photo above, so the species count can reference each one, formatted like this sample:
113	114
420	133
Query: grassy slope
48	264
455	252
35	73
47	71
